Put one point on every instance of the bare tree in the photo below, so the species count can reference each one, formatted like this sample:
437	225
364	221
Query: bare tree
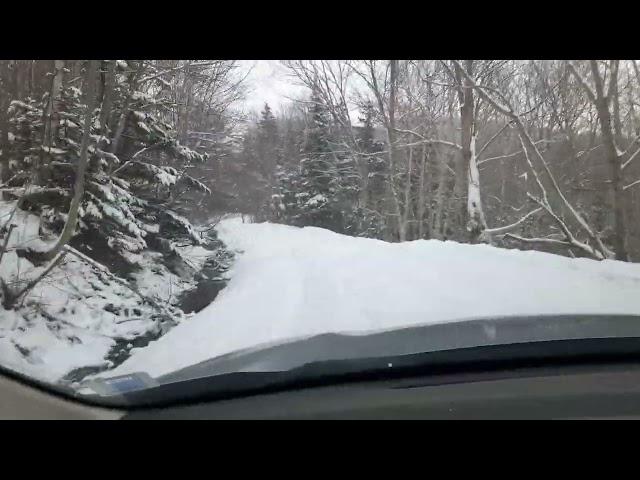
602	102
501	105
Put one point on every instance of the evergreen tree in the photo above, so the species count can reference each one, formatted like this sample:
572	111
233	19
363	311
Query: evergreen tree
256	166
267	146
322	188
123	210
267	127
371	223
318	171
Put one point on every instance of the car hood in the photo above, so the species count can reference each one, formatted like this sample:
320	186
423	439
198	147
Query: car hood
406	341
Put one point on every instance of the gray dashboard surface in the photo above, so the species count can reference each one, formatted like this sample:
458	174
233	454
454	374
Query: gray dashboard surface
560	393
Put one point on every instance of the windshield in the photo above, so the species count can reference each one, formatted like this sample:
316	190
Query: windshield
158	215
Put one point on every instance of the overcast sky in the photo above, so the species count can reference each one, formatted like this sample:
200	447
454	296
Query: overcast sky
267	82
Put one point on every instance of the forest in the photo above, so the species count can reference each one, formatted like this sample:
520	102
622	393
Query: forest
520	154
117	171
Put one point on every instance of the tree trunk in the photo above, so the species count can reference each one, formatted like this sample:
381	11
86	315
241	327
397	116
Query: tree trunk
391	136
600	251
183	107
122	121
390	124
465	105
476	223
422	195
107	100
363	170
404	218
467	173
72	219
5	98
19	79
32	77
438	211
51	120
613	160
53	105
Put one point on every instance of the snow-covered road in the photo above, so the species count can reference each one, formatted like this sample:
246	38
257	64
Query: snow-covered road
293	282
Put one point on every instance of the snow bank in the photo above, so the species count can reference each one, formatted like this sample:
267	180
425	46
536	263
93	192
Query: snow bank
76	315
295	282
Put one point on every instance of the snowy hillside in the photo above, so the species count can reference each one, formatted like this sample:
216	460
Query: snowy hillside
81	316
293	282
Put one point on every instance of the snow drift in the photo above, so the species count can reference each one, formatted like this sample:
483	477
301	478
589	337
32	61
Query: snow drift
293	282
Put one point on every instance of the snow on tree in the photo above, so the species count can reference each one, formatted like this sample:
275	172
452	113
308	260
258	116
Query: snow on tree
123	208
325	187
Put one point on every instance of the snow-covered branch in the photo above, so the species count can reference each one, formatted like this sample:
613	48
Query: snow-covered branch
427	140
175	69
630	159
509	155
631	144
543	190
545	241
506	228
569	237
586	152
637	182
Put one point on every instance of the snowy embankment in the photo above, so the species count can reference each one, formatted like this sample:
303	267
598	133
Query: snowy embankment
79	315
294	282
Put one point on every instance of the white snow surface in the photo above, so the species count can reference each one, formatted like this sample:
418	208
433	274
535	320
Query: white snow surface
62	324
290	282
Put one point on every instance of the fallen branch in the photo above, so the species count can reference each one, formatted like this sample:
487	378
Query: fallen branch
570	239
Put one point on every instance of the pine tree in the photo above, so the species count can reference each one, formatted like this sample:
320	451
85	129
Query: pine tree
267	127
322	189
123	210
256	166
366	134
318	170
371	223
267	151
